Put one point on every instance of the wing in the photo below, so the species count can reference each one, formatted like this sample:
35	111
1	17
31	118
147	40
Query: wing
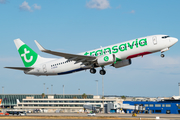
20	68
78	58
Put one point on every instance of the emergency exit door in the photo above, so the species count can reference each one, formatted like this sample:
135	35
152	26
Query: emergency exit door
154	39
44	68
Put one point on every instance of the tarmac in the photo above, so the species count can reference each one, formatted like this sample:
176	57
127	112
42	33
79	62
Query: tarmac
99	116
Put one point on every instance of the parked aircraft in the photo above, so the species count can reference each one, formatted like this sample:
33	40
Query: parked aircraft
117	55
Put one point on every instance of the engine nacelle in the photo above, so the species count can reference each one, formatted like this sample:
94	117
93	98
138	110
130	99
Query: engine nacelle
106	59
122	63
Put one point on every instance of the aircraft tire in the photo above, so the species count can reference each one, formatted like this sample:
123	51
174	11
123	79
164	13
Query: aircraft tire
102	72
162	55
92	70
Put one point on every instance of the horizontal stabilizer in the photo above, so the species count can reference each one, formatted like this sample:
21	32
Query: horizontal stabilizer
20	68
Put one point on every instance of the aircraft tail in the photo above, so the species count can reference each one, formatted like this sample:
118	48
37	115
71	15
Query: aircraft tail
29	57
0	101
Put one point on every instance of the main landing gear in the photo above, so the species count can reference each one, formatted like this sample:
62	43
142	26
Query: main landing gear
102	72
92	70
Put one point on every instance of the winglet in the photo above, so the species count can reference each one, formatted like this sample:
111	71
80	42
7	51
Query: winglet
39	46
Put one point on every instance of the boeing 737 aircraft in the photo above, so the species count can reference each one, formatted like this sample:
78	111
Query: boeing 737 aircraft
118	55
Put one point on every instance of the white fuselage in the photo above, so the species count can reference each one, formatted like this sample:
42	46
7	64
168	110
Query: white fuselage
125	50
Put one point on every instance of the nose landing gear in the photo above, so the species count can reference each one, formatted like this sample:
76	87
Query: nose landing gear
162	55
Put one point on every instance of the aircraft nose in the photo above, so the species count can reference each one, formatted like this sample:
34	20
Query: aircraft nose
174	41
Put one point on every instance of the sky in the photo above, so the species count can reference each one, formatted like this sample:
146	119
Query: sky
75	26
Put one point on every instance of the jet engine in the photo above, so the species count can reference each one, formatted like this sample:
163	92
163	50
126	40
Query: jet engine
106	59
122	63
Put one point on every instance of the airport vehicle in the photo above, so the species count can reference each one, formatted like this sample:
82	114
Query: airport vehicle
91	114
117	55
16	112
22	113
0	101
134	114
7	114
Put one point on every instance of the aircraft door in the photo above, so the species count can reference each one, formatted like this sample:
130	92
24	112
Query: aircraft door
154	39
44	68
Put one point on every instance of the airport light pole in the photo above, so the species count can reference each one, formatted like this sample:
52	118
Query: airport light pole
3	90
103	92
179	88
79	90
63	91
51	89
44	88
97	86
47	90
3	95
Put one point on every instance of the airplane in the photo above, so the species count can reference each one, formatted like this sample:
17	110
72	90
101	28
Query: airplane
117	55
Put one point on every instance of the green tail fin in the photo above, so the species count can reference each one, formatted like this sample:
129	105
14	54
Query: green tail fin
28	56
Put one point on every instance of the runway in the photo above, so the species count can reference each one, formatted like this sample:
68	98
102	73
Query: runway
83	116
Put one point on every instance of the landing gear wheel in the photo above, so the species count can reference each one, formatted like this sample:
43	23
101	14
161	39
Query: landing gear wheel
92	70
162	55
102	72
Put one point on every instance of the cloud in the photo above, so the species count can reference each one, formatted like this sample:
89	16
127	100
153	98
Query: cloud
157	61
36	7
150	65
3	1
25	7
9	59
132	11
98	4
119	6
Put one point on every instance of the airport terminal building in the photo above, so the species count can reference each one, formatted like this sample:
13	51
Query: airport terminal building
65	103
10	100
157	107
79	103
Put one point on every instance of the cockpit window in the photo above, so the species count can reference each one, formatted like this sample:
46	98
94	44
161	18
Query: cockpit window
165	36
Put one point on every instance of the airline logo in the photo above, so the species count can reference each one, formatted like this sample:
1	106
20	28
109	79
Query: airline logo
123	47
28	56
106	58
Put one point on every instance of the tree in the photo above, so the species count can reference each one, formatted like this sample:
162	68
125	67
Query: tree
84	95
43	95
123	97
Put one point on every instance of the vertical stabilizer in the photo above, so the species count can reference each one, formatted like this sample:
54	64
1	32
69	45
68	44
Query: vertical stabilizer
28	56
